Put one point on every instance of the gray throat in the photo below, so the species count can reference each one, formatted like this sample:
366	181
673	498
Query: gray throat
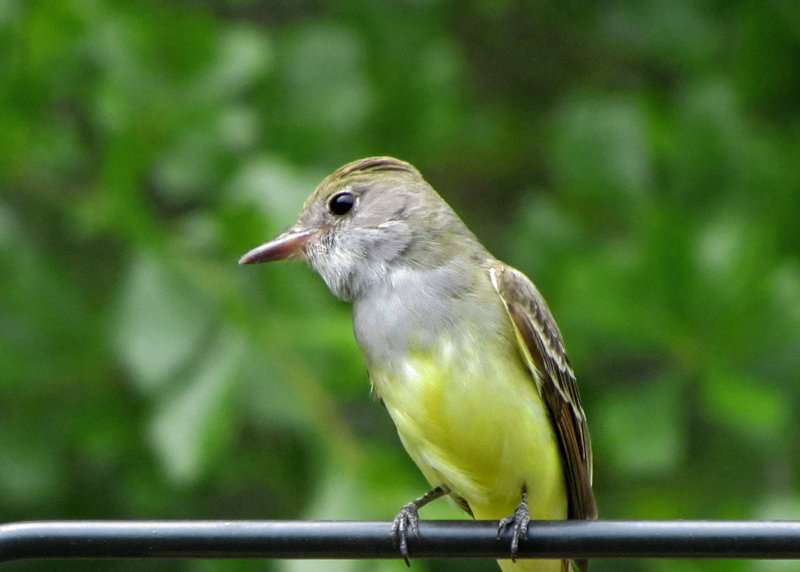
411	308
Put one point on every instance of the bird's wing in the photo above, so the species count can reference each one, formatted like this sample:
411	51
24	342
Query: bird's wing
543	350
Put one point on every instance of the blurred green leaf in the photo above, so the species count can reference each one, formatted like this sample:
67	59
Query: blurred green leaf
601	152
190	426
755	408
641	430
160	323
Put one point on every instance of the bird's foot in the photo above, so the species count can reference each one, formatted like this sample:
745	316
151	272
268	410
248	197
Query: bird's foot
518	522
407	519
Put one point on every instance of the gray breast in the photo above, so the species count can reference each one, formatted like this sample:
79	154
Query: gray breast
415	307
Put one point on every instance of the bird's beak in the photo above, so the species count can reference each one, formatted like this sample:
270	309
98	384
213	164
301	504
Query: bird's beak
290	244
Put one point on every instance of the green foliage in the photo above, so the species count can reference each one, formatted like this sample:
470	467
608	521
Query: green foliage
638	160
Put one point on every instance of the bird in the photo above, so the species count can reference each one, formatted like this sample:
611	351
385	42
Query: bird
460	348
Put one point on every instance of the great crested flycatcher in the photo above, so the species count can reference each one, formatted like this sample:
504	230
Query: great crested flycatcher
460	348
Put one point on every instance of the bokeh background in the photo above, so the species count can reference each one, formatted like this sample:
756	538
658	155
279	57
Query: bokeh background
639	159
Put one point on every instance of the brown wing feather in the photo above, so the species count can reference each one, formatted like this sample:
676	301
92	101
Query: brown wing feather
555	380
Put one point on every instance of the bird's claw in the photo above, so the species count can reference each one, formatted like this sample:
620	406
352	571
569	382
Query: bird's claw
518	522
407	518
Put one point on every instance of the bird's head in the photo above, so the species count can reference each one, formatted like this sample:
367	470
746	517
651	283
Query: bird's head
365	219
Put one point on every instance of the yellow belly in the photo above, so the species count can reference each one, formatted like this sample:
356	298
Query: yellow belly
476	424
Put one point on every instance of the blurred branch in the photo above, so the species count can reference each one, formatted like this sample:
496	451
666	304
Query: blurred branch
371	539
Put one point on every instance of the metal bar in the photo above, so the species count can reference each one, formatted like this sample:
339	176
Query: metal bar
371	539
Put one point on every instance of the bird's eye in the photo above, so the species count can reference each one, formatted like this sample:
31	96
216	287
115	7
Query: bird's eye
341	203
